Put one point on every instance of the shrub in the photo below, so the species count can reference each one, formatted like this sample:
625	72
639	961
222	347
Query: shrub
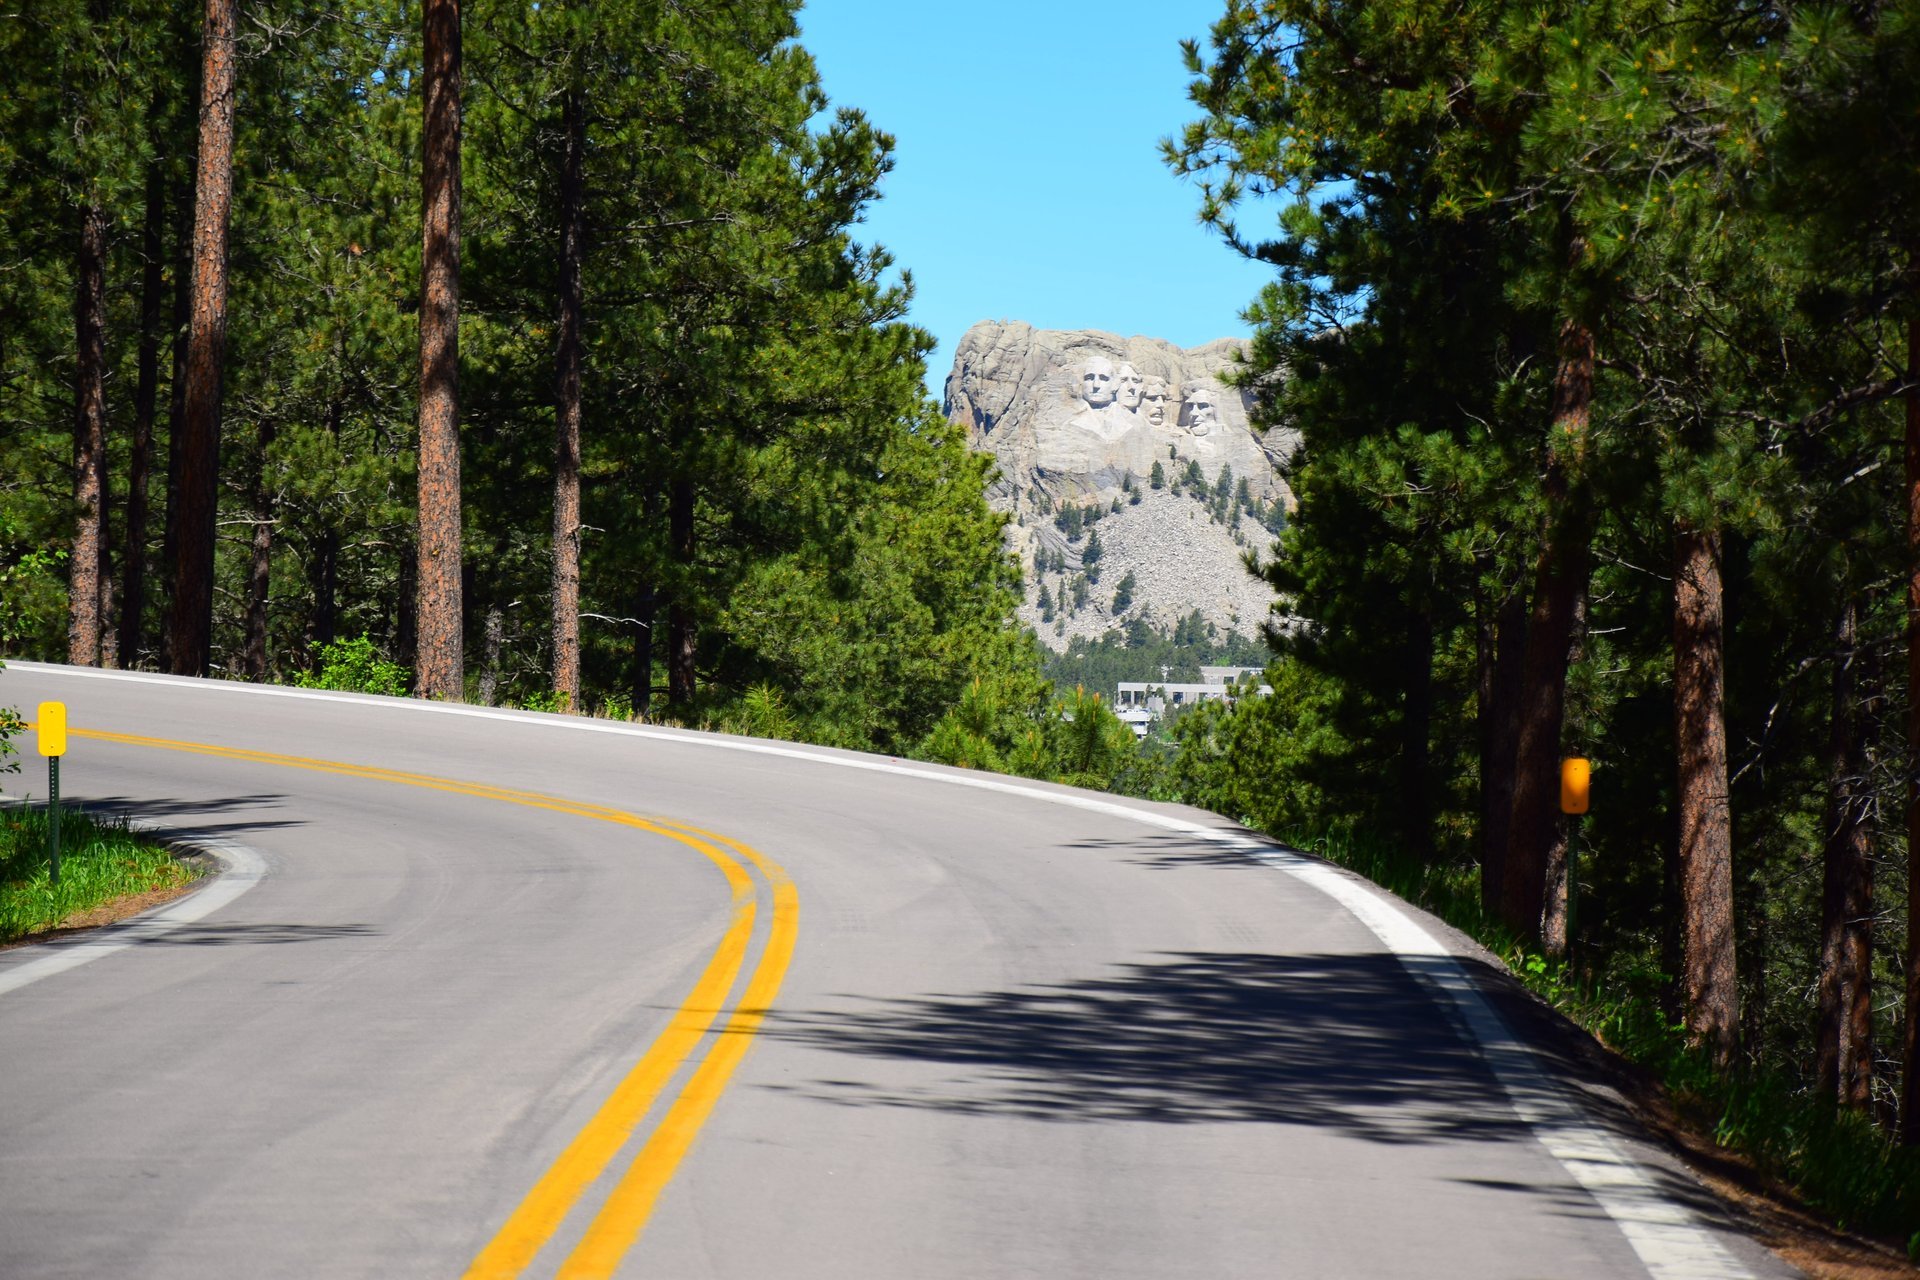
354	666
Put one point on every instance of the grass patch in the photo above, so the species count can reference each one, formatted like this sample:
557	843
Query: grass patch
101	861
1839	1162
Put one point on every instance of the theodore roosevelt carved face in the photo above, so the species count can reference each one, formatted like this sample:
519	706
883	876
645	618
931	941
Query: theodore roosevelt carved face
1129	392
1096	382
1153	394
1200	410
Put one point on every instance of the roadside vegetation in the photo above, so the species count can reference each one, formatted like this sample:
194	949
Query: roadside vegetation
1599	327
101	863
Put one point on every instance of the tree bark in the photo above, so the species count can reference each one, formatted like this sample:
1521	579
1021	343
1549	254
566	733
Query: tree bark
253	661
176	409
439	667
87	582
492	635
406	644
325	566
1503	646
566	442
1843	1058
1560	583
1416	727
1710	993
146	399
1910	1046
645	612
682	639
191	623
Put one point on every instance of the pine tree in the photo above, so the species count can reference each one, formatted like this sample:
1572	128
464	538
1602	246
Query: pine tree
190	631
439	669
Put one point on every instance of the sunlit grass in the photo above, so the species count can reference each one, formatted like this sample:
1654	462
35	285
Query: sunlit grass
100	861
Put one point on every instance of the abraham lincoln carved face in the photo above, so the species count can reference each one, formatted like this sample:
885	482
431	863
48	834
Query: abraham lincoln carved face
1201	410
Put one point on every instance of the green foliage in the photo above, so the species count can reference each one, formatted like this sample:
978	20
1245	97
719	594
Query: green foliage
100	860
1123	594
1724	200
354	666
1138	652
1090	745
1270	762
1158	479
11	725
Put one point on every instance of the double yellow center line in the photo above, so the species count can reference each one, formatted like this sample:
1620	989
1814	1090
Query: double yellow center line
624	1213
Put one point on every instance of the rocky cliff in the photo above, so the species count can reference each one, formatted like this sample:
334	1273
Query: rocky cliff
1112	452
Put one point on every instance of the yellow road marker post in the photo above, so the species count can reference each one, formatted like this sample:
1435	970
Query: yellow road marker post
1576	779
51	730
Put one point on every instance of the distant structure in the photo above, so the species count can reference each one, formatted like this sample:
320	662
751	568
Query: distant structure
1141	702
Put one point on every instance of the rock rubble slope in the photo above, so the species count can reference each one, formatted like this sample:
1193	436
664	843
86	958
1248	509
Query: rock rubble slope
1078	422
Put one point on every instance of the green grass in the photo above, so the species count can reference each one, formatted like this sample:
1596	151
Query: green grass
100	860
1839	1162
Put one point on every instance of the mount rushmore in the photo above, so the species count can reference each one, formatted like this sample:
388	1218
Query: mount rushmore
1117	447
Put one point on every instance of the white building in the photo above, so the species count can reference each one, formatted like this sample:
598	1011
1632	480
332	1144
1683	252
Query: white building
1141	702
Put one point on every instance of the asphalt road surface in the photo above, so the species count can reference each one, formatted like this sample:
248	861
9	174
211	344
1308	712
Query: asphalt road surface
505	994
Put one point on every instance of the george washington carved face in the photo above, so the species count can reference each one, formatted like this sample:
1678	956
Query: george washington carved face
1097	382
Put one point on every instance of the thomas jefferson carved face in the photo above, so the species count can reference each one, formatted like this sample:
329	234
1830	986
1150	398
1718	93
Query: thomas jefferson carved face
1129	393
1200	410
1154	395
1096	382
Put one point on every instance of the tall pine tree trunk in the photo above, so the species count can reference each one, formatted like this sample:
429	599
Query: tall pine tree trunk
492	637
566	442
324	568
176	408
190	642
1910	1047
1503	646
645	611
406	643
1560	584
253	660
1705	848
1843	1056
439	667
682	639
87	584
146	400
1416	729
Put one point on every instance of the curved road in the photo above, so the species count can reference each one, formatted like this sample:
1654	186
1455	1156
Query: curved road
507	994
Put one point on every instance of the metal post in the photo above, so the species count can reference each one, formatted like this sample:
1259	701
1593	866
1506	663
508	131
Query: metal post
53	814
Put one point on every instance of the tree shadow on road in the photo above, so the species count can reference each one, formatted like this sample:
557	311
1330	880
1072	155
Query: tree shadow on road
1347	1041
262	933
1173	850
185	817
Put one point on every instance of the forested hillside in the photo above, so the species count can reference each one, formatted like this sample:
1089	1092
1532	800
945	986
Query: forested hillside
534	348
1600	325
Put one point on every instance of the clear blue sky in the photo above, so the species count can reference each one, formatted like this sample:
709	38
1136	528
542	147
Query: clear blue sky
1028	183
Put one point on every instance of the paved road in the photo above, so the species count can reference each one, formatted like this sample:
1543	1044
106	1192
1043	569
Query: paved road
1014	1032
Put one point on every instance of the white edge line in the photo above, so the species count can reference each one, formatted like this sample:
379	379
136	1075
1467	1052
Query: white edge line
241	869
1670	1241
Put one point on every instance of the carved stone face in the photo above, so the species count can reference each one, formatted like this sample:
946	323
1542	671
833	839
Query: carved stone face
1096	382
1200	411
1129	393
1154	395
